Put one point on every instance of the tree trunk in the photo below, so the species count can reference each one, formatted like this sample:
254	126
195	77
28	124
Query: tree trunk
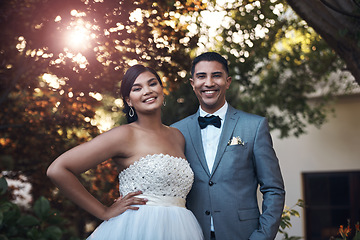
338	23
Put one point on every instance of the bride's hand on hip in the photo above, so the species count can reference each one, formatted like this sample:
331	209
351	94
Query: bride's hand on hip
124	203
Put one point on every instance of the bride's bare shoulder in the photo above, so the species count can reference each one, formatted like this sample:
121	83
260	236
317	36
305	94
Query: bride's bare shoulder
120	133
177	135
175	131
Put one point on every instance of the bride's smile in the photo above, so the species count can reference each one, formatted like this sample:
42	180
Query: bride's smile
146	93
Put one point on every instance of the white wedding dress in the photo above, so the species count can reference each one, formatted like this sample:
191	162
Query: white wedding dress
165	181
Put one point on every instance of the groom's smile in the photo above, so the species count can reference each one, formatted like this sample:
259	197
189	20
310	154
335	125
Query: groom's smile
210	82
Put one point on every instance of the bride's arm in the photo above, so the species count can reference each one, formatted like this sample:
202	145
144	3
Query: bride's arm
64	170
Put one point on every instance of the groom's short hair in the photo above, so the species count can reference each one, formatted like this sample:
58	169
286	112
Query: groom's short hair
210	56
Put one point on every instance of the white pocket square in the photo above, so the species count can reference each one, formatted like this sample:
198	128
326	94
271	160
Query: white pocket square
235	141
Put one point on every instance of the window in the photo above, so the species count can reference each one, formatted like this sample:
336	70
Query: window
331	198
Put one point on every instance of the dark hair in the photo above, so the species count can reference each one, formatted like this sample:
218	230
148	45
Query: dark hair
209	56
128	81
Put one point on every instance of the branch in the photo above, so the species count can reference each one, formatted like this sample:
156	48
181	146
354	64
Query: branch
339	10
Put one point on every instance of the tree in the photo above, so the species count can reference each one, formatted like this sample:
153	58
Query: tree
278	63
53	85
338	22
50	88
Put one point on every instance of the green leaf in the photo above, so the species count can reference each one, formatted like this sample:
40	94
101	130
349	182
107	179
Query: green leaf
294	213
294	238
28	221
300	203
54	218
42	207
282	225
286	218
53	233
6	206
3	186
11	213
33	234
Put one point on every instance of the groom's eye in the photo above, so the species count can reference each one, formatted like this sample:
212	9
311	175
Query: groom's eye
217	74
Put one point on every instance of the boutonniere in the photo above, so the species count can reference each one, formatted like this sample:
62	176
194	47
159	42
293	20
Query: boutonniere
235	141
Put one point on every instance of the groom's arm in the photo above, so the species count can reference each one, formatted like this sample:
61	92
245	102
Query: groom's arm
271	184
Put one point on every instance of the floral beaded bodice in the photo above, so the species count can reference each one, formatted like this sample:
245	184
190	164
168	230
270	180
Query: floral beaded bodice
159	175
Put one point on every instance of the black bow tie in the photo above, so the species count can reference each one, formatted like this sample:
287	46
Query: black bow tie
214	120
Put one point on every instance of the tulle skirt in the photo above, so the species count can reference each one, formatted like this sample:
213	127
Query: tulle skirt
150	223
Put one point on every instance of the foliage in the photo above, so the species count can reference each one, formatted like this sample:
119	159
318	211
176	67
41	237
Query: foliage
285	220
50	88
338	23
52	91
345	233
41	223
278	64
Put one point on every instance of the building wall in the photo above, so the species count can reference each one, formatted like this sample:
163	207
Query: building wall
333	147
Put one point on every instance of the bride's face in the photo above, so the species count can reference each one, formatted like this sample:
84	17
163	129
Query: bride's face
146	94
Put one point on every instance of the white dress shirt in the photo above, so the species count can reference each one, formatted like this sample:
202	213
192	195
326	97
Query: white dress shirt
211	135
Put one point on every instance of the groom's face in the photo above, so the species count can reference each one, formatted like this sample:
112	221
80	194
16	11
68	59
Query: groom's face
210	82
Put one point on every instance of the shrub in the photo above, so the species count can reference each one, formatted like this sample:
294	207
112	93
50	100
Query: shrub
41	222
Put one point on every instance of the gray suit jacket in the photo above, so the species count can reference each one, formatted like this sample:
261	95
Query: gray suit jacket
229	192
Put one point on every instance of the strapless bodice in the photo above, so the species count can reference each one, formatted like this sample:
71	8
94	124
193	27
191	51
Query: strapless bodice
158	176
165	181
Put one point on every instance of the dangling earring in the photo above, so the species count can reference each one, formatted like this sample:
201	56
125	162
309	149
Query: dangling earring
131	112
164	103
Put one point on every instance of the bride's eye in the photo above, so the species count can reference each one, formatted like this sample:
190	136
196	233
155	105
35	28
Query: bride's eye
154	83
136	89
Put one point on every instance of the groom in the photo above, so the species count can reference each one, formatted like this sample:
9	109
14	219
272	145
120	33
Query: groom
231	154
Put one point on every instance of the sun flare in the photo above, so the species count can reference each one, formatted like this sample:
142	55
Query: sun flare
78	37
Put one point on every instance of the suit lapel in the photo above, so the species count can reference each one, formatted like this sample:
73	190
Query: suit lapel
227	131
195	135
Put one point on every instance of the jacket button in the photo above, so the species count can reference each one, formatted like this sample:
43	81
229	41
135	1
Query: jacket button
211	183
207	212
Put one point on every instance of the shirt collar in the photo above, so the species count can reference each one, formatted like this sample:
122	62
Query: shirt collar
221	112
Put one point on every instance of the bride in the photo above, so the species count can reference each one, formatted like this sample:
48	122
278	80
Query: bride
154	176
